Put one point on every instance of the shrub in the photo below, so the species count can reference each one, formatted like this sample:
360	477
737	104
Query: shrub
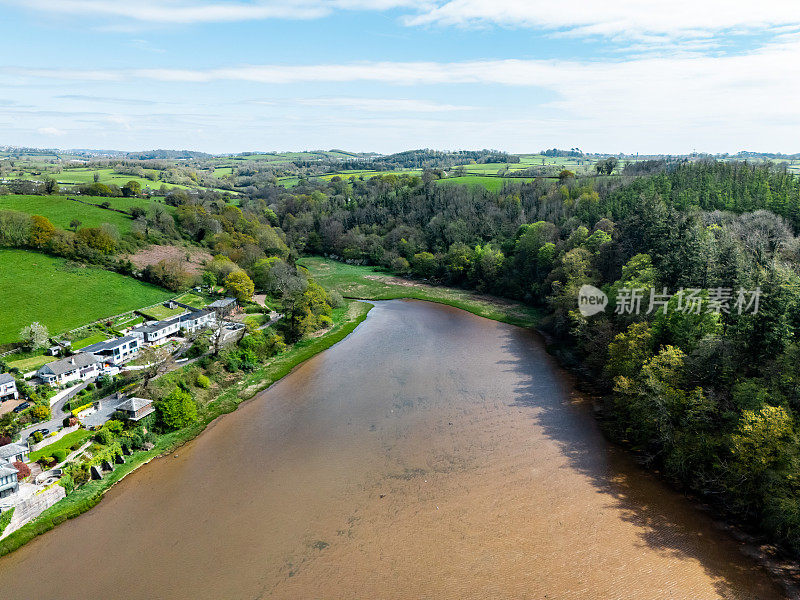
37	436
67	482
203	382
335	299
90	387
23	470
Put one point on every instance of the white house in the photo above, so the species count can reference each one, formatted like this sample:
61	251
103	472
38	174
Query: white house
13	453
79	366
8	480
9	454
8	387
196	320
158	332
116	351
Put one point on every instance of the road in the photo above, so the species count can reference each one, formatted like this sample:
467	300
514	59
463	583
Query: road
57	414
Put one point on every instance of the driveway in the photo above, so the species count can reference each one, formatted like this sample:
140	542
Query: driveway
57	414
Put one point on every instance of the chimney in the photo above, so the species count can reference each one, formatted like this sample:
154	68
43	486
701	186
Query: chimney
72	361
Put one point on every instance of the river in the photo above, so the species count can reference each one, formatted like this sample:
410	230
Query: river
431	454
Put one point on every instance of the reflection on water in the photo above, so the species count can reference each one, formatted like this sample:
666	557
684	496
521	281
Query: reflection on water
432	454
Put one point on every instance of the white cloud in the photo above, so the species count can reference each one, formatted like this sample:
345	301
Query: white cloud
190	12
652	104
51	131
381	105
622	18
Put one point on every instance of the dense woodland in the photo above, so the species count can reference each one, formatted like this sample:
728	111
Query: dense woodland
709	398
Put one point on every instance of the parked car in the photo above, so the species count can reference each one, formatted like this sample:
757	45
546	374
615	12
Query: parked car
43	431
22	407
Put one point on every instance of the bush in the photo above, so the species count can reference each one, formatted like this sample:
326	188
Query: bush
23	470
335	299
67	483
37	436
203	382
90	387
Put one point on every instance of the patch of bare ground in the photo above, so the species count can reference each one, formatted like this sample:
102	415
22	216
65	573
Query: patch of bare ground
192	258
394	280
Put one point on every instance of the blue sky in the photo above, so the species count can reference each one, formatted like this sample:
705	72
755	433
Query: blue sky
388	75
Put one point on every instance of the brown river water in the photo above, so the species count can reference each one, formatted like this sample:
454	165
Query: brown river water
431	454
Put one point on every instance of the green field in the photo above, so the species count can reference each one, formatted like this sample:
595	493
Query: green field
161	312
63	295
88	341
76	437
369	283
493	184
32	363
61	210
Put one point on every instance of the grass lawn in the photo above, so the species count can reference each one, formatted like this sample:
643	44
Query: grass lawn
60	210
76	437
493	184
31	363
88	341
368	283
63	295
194	300
161	312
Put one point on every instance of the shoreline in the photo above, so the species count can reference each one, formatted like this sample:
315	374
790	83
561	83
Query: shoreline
88	496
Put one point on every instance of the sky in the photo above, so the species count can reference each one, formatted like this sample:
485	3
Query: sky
223	76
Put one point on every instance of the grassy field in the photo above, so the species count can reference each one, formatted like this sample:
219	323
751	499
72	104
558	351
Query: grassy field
368	283
88	341
76	437
60	210
493	184
63	295
31	363
161	312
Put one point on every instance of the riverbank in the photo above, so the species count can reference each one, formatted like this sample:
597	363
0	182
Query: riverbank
371	283
84	498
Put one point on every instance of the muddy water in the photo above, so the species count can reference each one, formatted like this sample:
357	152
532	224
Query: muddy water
432	454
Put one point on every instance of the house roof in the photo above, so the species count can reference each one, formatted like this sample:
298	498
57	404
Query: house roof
109	344
195	316
134	404
65	365
6	470
6	378
10	450
157	326
222	302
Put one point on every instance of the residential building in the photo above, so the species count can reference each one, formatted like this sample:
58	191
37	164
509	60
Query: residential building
196	320
223	306
8	480
72	368
8	387
136	409
115	351
13	453
157	332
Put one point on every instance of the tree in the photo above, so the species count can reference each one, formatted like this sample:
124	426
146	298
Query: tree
74	224
96	238
34	336
40	412
50	186
132	188
177	410
23	470
158	361
96	177
42	231
239	285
